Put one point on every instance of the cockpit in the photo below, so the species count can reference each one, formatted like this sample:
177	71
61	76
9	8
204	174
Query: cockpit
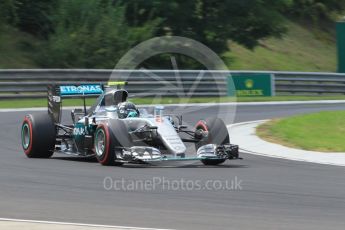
114	104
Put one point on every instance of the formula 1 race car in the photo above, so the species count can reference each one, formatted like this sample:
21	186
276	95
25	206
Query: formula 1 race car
115	131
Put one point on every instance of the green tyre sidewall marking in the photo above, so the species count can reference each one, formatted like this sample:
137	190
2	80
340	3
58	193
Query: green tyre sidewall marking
24	144
96	147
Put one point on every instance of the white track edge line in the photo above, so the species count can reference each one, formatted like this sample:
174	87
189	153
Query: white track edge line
245	123
203	104
76	224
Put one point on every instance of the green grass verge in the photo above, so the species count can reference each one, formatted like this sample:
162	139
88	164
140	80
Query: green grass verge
300	49
324	131
30	103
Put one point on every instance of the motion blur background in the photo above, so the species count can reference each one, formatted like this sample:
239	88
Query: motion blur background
292	35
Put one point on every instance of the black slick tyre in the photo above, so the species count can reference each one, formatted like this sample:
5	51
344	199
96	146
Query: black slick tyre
38	136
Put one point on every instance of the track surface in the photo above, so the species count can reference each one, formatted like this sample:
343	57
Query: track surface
275	193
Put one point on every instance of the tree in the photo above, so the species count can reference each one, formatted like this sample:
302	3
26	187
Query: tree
7	12
95	33
213	22
317	10
34	17
91	34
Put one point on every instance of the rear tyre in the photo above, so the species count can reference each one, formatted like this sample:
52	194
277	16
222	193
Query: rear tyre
109	138
215	132
38	135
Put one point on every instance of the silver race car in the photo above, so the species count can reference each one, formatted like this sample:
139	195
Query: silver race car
115	131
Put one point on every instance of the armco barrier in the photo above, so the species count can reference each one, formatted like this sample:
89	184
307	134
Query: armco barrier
298	83
32	83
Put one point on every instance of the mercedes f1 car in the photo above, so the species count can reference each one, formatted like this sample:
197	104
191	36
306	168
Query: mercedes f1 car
116	132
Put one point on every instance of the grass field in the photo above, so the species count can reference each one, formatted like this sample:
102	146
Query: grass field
300	49
324	131
29	103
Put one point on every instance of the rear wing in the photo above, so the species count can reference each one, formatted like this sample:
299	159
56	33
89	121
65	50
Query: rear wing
57	92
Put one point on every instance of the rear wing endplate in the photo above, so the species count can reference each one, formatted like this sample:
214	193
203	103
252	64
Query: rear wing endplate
57	92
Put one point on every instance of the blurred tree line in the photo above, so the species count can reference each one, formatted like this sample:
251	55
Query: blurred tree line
96	33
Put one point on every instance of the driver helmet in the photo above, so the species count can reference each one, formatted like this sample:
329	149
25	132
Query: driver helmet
127	109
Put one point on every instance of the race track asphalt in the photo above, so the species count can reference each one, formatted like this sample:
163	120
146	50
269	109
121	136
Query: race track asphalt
273	193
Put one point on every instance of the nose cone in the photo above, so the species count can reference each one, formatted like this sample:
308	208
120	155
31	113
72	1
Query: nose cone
169	136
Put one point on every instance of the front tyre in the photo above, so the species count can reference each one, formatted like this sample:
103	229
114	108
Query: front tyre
104	148
38	136
109	138
214	132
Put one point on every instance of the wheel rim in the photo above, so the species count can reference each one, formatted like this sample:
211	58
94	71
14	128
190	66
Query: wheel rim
100	142
26	137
